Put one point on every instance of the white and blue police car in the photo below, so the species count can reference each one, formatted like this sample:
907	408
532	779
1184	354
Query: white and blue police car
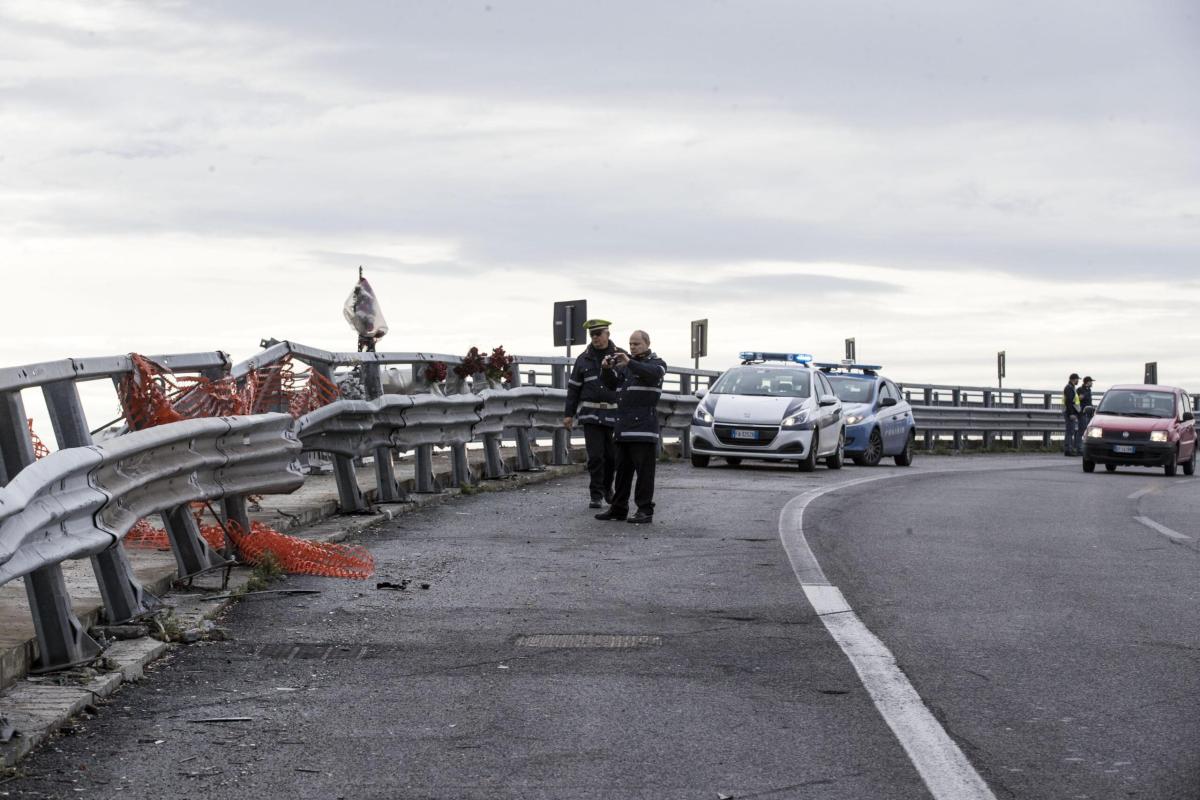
879	421
771	407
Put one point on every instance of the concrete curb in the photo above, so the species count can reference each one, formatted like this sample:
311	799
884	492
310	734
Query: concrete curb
40	706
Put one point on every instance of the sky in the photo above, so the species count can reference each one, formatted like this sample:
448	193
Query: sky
939	180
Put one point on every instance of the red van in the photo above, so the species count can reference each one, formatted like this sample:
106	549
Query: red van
1143	426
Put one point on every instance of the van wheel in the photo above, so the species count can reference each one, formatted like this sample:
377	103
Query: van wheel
1089	466
1170	467
1189	466
874	452
809	462
699	461
1110	467
838	457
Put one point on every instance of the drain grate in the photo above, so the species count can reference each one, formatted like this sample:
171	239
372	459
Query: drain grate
294	651
588	640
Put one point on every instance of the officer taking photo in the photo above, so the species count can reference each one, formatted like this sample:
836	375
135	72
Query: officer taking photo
637	377
594	405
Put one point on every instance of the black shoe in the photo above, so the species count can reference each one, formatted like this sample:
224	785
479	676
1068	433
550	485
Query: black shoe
595	503
640	519
612	514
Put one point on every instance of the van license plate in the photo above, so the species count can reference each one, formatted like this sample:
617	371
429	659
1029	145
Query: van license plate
739	434
1124	448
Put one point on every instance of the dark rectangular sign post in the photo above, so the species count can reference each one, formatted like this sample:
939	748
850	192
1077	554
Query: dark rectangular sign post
850	355
1151	376
1001	369
699	340
569	316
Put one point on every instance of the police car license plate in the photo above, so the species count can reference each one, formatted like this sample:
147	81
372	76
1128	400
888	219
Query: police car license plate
1124	448
740	434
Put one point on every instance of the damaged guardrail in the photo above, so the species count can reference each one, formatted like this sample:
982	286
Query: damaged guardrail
81	502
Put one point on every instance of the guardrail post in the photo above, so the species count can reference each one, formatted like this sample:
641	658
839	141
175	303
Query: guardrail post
62	640
350	497
988	402
121	591
526	459
1047	436
424	481
562	436
685	435
386	488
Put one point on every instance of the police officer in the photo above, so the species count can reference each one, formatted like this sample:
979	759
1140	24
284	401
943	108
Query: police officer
1072	414
594	405
637	378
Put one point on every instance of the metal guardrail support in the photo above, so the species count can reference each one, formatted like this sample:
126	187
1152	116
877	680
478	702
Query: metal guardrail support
685	439
122	593
350	497
527	461
61	638
387	490
562	437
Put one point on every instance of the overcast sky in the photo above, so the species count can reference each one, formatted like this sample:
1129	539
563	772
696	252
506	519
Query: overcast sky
939	180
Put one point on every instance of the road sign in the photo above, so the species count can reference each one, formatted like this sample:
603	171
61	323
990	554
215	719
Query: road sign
699	340
1001	368
569	316
850	356
1151	375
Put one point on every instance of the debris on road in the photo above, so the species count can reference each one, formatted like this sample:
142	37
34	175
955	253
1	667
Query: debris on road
223	719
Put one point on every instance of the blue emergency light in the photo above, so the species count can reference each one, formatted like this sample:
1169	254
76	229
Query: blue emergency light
846	364
795	358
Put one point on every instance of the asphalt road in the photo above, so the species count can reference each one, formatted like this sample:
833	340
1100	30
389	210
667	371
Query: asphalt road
1052	635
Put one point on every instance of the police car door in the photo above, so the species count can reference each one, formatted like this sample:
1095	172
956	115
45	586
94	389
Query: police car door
827	416
893	420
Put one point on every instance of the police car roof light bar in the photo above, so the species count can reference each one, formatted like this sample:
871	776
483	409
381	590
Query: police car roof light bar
829	366
795	358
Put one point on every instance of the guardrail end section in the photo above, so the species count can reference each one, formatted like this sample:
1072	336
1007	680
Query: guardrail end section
62	640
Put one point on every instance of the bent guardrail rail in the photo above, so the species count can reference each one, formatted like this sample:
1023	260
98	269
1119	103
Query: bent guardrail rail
82	501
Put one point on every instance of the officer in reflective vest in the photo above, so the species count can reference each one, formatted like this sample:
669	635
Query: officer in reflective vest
594	405
637	378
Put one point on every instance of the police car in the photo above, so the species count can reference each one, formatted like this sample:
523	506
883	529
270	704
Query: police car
879	421
772	407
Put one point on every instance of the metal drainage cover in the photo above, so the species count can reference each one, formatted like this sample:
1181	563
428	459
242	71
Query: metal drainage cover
588	640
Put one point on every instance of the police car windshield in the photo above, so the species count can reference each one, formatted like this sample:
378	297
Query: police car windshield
1134	403
764	382
850	389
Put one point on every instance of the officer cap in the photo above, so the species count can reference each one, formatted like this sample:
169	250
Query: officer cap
593	324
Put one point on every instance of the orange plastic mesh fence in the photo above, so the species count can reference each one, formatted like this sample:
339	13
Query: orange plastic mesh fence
39	447
149	397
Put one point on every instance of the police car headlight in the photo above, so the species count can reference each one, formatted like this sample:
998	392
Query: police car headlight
1158	436
1095	433
854	419
795	420
702	417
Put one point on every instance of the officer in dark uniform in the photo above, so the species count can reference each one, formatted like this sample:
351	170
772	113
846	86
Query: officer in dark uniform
594	405
637	378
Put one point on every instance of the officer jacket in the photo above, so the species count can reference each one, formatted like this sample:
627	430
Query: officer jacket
638	385
1071	406
589	401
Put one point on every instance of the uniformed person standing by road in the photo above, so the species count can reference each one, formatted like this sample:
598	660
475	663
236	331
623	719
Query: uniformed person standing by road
637	378
1072	412
594	405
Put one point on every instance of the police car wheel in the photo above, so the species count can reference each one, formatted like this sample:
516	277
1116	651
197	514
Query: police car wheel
732	461
809	462
874	452
905	457
699	461
838	457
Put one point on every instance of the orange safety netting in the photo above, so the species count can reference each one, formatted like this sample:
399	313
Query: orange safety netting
150	397
39	447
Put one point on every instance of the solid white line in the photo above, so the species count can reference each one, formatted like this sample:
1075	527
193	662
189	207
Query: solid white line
941	764
1163	529
1143	492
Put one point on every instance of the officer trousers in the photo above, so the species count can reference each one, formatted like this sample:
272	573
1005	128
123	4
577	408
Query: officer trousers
635	458
601	459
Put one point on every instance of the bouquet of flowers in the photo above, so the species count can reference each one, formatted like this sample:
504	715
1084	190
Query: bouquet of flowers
499	366
472	363
435	371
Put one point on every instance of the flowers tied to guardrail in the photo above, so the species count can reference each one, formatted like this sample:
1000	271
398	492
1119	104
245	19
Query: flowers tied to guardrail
495	368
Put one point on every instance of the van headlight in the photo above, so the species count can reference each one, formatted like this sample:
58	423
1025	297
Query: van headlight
702	417
1095	433
1158	436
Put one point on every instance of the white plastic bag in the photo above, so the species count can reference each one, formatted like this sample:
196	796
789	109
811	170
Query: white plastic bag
364	315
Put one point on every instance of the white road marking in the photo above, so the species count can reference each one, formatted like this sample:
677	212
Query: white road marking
941	764
1144	492
1163	529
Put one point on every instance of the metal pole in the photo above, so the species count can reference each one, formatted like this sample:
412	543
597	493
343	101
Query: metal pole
526	459
562	436
62	640
386	488
350	497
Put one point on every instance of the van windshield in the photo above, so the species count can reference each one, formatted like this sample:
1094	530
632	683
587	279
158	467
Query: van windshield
764	382
1137	403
